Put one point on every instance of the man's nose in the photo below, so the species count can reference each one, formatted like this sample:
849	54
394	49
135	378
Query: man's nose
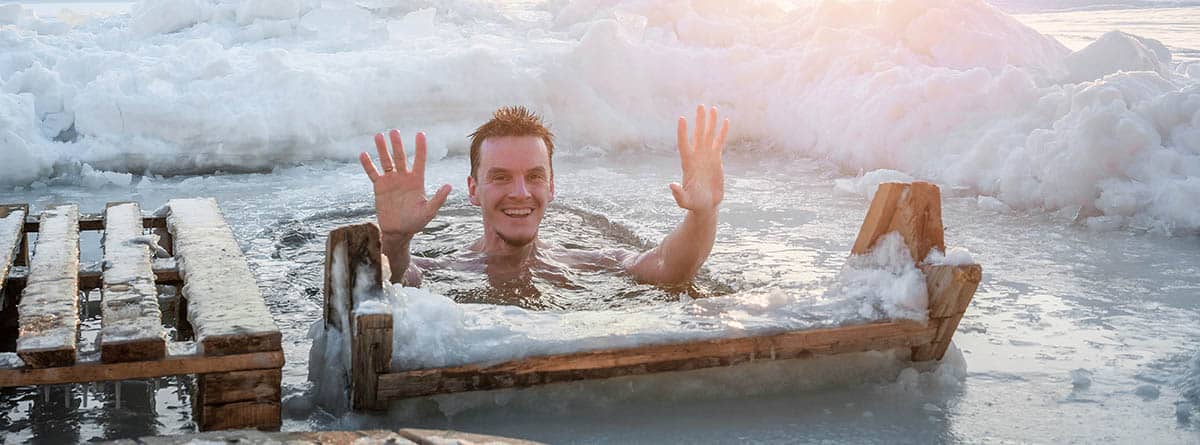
519	189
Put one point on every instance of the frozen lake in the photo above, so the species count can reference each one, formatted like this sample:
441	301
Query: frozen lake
1076	197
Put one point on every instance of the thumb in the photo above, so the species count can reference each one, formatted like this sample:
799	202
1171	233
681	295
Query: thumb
438	199
677	192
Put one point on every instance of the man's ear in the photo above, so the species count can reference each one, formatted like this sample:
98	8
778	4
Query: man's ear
471	190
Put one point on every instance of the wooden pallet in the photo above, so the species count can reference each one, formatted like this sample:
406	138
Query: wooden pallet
236	354
913	210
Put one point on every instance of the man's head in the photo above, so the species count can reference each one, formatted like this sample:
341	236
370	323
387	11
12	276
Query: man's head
512	175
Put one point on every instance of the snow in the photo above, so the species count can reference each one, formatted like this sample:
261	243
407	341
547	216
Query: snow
954	92
1041	175
430	330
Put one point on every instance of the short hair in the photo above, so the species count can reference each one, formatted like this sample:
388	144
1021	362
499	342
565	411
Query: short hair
511	121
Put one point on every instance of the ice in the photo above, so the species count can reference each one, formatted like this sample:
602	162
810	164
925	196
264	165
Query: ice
953	92
1081	378
1117	51
431	330
1147	392
10	13
954	256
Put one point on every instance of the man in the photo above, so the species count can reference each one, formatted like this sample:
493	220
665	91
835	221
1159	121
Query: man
512	182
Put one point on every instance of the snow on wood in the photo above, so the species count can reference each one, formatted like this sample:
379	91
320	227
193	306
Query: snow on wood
49	308
131	323
225	307
914	210
12	219
653	359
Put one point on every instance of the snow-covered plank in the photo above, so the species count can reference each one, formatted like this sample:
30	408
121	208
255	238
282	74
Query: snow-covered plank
225	307
49	308
131	321
11	233
654	359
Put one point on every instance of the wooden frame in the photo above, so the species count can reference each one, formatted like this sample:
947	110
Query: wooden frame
913	210
238	360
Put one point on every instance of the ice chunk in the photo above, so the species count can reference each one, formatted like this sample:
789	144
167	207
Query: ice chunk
1081	378
1117	51
1147	392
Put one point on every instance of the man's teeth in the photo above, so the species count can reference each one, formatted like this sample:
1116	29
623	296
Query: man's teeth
518	212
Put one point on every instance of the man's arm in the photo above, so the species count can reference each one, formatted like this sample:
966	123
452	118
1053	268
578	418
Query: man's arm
400	202
677	259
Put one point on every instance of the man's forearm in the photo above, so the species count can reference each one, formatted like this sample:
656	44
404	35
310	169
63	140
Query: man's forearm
396	248
681	253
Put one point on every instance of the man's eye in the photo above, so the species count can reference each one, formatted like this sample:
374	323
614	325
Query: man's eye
536	177
500	178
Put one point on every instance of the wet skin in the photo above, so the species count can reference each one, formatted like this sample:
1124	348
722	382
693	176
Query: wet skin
515	183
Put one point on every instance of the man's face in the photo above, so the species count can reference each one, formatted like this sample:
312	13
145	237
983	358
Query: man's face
513	187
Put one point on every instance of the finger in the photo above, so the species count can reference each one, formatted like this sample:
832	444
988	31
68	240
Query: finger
721	137
438	199
699	132
677	192
368	166
681	138
385	160
418	167
710	130
398	149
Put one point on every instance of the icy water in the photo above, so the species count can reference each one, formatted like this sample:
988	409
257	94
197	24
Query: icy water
1086	327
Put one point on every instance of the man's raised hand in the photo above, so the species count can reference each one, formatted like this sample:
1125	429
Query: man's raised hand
703	185
400	198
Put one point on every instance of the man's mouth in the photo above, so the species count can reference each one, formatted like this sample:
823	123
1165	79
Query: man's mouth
517	213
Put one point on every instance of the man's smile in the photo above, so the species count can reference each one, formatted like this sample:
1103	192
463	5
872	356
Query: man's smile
518	213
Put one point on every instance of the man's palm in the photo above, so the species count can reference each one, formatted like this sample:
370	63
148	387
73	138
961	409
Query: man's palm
703	185
400	198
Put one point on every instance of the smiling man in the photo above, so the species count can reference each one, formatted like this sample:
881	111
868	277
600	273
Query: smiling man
512	182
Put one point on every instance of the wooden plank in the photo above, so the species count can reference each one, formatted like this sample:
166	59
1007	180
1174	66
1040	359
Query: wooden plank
358	244
225	307
653	359
131	321
95	222
439	437
879	216
12	235
950	288
371	354
165	272
950	291
239	415
914	210
49	308
177	365
239	386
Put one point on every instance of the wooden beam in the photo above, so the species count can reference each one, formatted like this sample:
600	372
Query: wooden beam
360	252
950	291
90	277
239	399
95	222
12	235
131	321
914	210
371	354
95	371
654	359
49	307
239	386
225	307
